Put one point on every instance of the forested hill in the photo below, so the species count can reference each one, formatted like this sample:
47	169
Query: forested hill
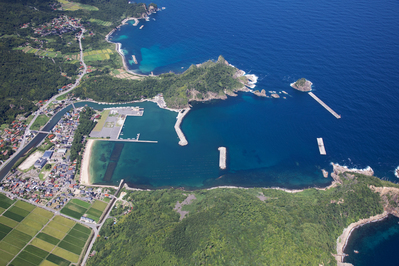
210	76
34	65
237	226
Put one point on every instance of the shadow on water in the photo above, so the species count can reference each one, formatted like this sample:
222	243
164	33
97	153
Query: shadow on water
116	153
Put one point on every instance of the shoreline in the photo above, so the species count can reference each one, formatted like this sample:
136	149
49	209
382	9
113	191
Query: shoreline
84	168
343	239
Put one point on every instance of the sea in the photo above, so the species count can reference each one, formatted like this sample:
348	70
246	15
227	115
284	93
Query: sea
349	50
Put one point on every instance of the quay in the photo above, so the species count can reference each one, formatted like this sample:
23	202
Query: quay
321	146
325	105
222	157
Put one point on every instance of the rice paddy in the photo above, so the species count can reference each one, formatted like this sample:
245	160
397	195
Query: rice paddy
77	208
30	235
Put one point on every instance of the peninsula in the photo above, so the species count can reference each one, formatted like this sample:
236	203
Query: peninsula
302	85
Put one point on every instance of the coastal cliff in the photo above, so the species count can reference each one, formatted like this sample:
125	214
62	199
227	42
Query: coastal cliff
302	85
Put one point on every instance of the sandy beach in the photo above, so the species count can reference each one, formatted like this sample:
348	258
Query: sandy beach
84	169
342	240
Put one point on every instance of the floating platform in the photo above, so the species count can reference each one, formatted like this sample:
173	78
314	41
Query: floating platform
321	146
325	105
222	157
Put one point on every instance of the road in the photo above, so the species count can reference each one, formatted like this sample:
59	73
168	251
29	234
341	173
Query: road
27	130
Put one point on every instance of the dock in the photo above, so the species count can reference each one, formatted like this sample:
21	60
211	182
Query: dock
130	140
222	157
324	105
321	146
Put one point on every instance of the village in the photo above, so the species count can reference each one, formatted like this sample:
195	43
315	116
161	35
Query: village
47	176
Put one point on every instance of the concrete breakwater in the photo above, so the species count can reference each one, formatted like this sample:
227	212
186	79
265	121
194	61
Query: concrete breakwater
180	116
222	157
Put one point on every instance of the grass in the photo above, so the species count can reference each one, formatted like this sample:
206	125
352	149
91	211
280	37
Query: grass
53	232
27	229
101	122
44	213
24	205
65	254
59	227
70	6
57	260
7	221
99	205
49	239
62	97
82	229
5	202
37	242
81	203
40	121
64	221
98	21
9	248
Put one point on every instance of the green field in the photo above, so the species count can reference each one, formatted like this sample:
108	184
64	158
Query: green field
55	245
71	6
5	202
99	205
101	122
104	23
40	121
81	203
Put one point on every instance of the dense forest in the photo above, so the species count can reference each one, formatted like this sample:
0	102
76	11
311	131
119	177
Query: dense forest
25	78
209	76
235	227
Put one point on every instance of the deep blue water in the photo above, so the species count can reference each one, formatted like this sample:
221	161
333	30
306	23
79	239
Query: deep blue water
376	243
348	49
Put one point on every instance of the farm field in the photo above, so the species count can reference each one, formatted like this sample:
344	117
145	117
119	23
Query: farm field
97	55
98	21
71	6
30	235
77	208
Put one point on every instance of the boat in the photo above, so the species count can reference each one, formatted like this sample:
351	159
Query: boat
163	8
147	19
141	27
357	252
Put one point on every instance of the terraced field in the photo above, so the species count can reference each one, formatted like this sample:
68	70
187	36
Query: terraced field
30	235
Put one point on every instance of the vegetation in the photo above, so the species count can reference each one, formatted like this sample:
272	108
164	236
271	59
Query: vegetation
233	226
300	82
84	128
209	77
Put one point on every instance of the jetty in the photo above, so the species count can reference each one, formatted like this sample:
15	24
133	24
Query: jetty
324	105
222	157
134	59
129	140
321	146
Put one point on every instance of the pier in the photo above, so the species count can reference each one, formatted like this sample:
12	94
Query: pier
222	157
321	146
325	105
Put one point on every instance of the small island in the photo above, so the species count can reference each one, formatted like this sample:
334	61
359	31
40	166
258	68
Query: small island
302	85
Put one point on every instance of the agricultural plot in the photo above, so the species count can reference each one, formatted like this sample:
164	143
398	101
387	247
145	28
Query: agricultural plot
77	208
5	202
98	55
71	6
73	210
28	236
98	21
